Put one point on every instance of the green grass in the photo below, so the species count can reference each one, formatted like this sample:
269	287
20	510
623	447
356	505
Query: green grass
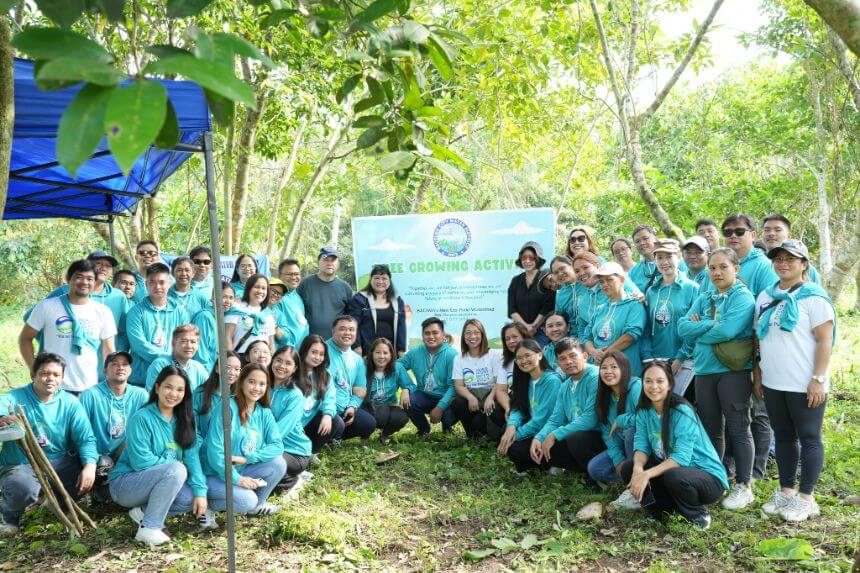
448	504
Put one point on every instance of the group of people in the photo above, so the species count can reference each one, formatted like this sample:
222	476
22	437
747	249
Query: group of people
672	375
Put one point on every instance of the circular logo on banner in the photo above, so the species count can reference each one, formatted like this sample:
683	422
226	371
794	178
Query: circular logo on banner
64	325
452	237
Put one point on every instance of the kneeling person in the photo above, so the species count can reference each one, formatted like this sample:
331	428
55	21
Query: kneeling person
384	376
349	377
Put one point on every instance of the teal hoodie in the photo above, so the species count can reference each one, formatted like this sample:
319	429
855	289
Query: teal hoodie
735	309
702	278
259	440
588	300
543	394
574	407
623	422
140	292
347	371
565	301
549	354
149	332
384	390
290	317
288	407
611	320
642	271
757	271
238	289
432	374
207	351
204	287
61	426
666	305
197	373
192	301
202	420
149	443
109	415
689	445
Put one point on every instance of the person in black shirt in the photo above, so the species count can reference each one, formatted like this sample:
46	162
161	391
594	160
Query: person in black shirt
528	303
380	313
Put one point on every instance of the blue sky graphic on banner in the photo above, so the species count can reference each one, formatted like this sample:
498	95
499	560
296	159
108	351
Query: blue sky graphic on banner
452	265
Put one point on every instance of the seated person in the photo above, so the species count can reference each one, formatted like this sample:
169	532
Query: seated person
350	380
384	377
475	372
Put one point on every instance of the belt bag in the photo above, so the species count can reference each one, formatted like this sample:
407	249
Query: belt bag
733	354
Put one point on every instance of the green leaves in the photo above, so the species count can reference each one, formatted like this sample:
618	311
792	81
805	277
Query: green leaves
217	79
185	8
792	549
396	160
63	12
133	118
222	48
347	87
447	169
374	12
49	43
76	70
369	121
82	126
370	137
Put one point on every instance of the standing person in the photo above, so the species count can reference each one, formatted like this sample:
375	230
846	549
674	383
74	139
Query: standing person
556	328
723	390
288	407
475	371
796	324
158	474
349	378
204	320
757	274
385	376
534	394
380	312
618	324
708	230
74	327
431	364
189	298
61	427
201	258
320	420
325	296
291	308
151	322
622	253
565	297
251	318
579	240
145	254
108	406
256	449
567	439
126	282
644	273
615	409
775	230
206	398
258	352
283	335
244	268
528	304
667	302
674	467
695	251
184	342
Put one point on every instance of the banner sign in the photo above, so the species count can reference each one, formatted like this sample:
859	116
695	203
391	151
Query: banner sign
452	265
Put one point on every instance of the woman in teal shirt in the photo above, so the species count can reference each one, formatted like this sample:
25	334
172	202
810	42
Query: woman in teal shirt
385	376
675	467
204	319
565	297
556	328
158	474
206	398
617	324
288	407
255	448
533	397
244	268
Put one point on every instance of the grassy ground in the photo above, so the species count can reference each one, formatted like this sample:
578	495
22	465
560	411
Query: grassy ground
447	504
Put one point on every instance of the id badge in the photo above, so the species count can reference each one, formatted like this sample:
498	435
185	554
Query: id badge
662	315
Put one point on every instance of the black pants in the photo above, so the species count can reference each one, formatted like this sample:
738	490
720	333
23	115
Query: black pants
389	418
318	441
683	490
762	436
475	423
295	466
573	453
792	419
723	404
363	424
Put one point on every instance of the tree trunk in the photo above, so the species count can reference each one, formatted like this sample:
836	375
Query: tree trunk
227	177
637	171
152	219
857	290
286	175
247	139
335	224
7	108
846	68
825	257
843	16
121	250
844	263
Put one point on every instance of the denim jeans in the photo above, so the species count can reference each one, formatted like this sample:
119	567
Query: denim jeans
160	491
601	468
245	500
421	404
19	486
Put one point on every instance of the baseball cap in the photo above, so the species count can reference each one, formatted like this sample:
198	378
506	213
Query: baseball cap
700	242
792	247
328	251
609	269
113	355
95	255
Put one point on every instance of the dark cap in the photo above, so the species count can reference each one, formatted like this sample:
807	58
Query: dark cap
95	255
110	357
792	247
328	251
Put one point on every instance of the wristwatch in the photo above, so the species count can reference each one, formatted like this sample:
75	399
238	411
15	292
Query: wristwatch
820	379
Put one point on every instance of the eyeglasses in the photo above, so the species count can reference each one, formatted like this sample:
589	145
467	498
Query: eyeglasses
577	239
147	253
247	266
202	262
737	232
125	283
786	259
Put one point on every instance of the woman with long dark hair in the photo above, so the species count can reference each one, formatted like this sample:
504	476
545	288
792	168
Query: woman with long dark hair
288	407
674	467
475	372
251	319
379	312
255	448
385	376
206	398
320	420
244	268
158	474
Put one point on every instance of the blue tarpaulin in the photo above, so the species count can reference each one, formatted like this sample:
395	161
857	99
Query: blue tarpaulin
40	188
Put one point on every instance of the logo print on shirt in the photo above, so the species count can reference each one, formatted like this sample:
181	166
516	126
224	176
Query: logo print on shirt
173	452
116	424
340	379
42	436
247	322
605	331
64	325
250	443
663	315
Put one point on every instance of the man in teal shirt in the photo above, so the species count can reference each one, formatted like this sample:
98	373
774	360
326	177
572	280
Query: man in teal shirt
695	252
146	254
431	365
290	310
349	376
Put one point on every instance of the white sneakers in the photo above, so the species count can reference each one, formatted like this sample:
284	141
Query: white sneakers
266	508
151	536
739	497
136	514
799	509
776	503
626	501
207	520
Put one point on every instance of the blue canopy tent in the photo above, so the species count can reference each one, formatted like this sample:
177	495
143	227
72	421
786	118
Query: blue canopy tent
40	188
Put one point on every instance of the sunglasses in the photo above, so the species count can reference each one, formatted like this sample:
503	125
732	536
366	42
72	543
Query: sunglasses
147	253
737	232
577	239
203	262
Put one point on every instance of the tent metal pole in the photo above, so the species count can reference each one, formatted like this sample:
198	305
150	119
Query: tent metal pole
112	237
209	164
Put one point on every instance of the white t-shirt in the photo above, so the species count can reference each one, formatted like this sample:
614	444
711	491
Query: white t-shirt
506	373
244	324
478	373
788	358
49	316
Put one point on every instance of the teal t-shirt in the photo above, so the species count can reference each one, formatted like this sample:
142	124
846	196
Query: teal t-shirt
347	371
288	407
543	394
383	389
197	373
258	440
574	407
149	330
192	301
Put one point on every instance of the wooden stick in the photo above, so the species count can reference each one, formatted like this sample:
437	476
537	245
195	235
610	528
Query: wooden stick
46	487
49	469
84	515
